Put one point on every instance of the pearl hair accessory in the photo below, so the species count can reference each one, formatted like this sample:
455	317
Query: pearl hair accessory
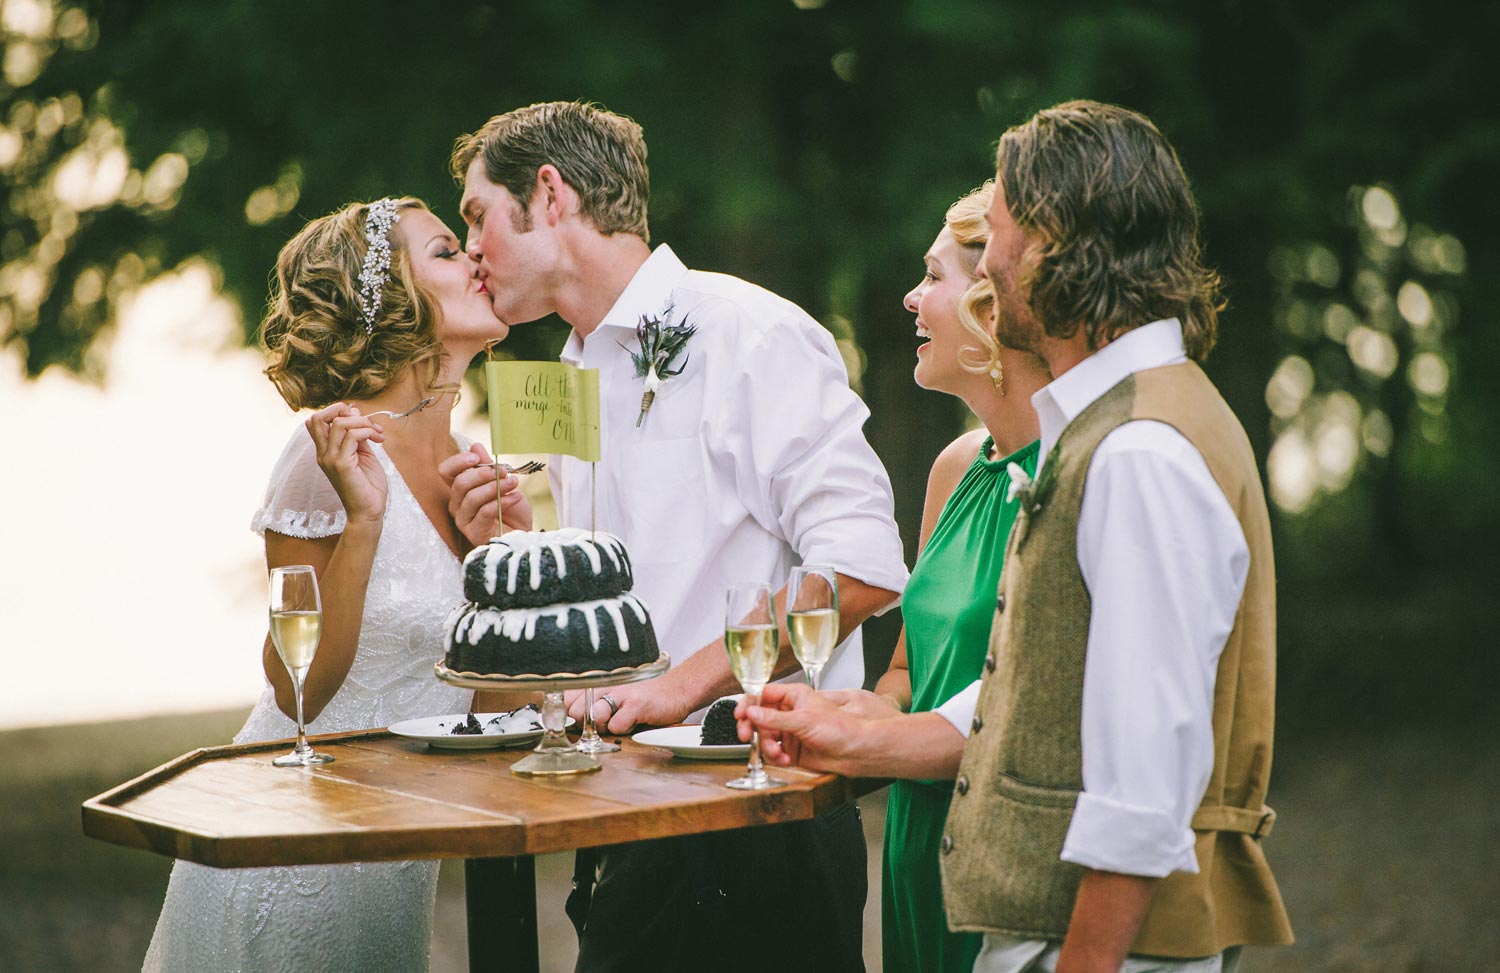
379	218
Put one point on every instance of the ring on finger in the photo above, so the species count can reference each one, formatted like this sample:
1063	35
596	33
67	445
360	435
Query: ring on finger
614	707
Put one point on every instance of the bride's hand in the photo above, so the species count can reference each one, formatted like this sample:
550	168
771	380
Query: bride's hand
342	437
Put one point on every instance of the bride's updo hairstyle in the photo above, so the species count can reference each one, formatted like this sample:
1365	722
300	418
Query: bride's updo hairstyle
319	347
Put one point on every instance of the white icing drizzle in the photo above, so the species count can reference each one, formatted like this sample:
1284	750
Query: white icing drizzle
513	568
636	606
492	567
613	546
516	624
592	621
455	619
618	617
527	545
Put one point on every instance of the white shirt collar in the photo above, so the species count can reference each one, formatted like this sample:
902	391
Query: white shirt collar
1060	401
648	293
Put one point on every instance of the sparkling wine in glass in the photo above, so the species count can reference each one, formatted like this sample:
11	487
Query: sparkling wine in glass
812	617
296	627
751	639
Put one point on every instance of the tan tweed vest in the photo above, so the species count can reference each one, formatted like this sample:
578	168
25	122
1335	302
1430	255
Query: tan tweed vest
1022	769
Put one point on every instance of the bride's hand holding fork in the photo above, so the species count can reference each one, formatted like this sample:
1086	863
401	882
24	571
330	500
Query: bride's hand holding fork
342	437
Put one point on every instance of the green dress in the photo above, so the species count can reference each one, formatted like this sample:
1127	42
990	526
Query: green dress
948	606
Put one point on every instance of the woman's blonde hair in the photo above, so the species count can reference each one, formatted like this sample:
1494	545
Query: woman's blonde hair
967	221
316	343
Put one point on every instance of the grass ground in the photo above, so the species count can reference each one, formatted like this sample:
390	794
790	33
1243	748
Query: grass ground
1385	849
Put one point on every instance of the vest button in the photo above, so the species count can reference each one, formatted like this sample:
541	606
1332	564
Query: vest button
989	663
1000	603
978	723
962	785
947	844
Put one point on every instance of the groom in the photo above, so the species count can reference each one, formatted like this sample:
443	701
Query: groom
1110	796
749	461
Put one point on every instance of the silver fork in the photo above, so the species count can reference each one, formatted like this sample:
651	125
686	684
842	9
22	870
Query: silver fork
535	466
402	415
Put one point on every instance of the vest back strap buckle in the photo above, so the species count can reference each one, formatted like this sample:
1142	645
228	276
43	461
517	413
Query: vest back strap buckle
1256	823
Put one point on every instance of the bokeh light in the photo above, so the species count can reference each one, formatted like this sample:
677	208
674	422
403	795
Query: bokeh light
1388	302
1289	387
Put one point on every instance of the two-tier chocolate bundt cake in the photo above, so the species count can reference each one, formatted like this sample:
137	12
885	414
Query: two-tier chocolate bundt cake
546	602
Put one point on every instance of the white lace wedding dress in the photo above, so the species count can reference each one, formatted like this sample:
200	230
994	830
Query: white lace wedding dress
367	916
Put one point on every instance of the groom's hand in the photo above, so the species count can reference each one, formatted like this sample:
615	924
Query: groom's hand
655	702
472	492
696	680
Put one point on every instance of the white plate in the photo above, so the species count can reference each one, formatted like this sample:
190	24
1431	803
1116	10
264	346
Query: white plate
683	742
434	731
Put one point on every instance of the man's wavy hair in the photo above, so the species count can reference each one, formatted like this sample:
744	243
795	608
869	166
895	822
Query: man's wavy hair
601	155
313	334
1115	223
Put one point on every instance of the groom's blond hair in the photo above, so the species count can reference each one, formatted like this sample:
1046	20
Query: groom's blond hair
601	155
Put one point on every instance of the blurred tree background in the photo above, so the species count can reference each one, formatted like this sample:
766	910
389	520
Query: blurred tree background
1345	157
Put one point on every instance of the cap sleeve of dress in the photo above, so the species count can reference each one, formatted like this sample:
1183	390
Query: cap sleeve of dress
299	500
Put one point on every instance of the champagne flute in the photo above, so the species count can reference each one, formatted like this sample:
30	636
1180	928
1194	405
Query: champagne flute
812	617
296	626
589	741
750	638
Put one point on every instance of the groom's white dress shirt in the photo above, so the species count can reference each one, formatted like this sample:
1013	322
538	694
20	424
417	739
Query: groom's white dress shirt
750	462
1165	563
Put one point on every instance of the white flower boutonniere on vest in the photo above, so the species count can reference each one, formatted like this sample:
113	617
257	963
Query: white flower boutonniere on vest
660	344
1033	492
1020	483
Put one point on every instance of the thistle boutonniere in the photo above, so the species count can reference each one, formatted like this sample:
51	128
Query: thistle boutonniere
660	344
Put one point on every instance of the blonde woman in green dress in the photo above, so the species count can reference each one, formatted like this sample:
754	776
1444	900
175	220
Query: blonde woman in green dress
950	598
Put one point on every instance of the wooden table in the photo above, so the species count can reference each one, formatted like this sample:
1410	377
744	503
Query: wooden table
387	798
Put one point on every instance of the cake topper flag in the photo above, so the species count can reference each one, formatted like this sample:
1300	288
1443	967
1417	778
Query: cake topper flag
543	407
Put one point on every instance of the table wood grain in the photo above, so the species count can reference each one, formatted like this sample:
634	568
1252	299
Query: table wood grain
389	798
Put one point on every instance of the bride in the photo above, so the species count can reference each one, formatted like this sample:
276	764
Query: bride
374	309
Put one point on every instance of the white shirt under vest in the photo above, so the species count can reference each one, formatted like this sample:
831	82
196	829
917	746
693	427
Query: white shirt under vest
1165	562
750	462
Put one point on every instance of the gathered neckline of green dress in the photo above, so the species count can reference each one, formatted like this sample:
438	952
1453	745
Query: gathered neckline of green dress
1016	457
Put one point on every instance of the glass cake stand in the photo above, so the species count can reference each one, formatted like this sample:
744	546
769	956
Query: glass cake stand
554	755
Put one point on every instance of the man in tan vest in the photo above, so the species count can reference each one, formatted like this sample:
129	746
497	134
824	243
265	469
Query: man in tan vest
1109	802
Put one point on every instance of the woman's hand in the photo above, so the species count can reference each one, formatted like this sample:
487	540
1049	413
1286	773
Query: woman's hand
471	500
342	438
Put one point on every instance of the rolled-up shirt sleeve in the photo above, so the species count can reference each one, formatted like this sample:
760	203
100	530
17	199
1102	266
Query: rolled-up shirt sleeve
803	466
959	709
1165	563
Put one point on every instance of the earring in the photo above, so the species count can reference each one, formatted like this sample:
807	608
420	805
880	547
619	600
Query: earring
997	377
